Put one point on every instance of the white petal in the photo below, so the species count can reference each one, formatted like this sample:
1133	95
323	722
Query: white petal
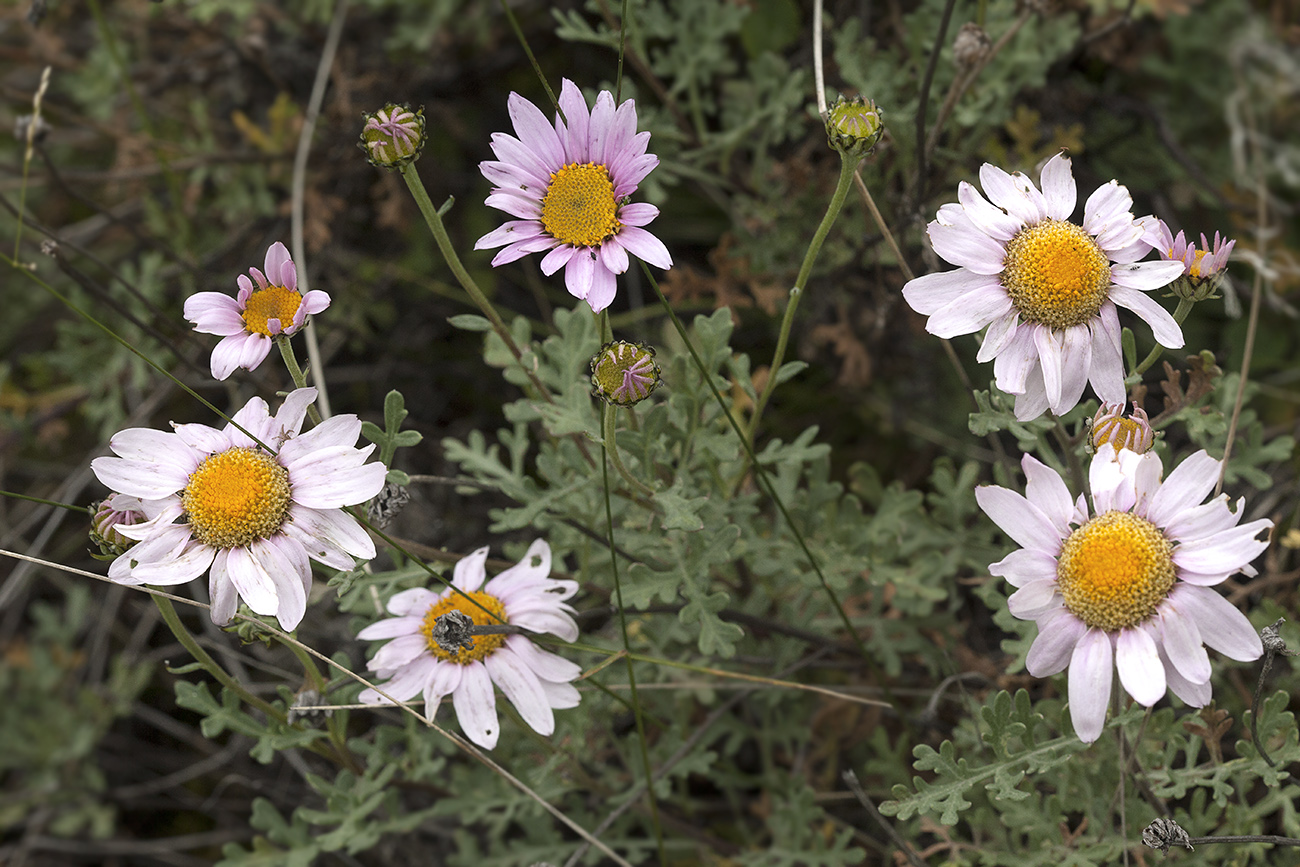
970	313
1059	188
1090	677
1186	487
1221	625
1024	565
1046	490
1182	644
1034	598
521	686
476	705
391	627
1163	326
1020	519
1140	670
470	572
932	292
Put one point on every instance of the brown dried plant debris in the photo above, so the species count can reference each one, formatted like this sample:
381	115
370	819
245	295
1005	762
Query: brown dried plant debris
855	359
1215	723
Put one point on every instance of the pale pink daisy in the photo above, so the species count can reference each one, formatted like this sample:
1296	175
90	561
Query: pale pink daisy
219	500
1046	288
1198	265
1128	587
536	681
566	184
247	323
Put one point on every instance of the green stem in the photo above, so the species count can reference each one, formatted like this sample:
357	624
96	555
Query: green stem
627	644
848	165
1184	307
68	506
299	378
611	447
434	220
173	621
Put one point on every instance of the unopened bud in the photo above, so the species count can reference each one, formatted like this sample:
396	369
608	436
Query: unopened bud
116	510
393	136
624	373
853	126
971	46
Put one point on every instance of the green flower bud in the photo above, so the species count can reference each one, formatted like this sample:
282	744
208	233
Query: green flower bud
114	511
853	126
624	373
393	136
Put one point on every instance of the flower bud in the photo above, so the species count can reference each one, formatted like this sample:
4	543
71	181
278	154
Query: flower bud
393	136
114	511
1133	433
624	373
853	126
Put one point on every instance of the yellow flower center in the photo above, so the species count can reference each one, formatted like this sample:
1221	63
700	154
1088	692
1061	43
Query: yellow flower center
1056	274
273	302
1195	270
579	207
484	645
1115	570
235	497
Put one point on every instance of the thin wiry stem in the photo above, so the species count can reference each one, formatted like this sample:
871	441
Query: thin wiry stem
923	104
298	195
611	448
819	75
285	345
627	646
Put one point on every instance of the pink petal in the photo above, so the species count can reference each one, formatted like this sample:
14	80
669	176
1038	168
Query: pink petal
1020	519
576	119
645	246
1033	599
1220	624
1058	633
970	312
214	313
1046	490
991	220
329	536
535	131
1226	551
1024	565
1186	487
637	214
557	259
578	274
1058	187
1003	192
508	233
961	243
603	288
932	292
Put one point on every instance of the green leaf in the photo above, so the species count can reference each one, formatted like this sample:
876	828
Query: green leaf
470	322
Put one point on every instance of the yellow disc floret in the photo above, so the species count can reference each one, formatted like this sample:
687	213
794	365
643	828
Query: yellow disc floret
273	302
1056	274
579	207
235	497
1115	570
484	645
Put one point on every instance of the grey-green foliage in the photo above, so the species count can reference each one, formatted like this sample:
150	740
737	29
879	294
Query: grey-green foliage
53	719
709	531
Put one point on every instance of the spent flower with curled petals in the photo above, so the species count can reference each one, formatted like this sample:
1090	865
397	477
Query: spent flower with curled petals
432	654
393	136
1110	425
219	501
1129	586
266	306
1045	288
568	186
1202	268
624	373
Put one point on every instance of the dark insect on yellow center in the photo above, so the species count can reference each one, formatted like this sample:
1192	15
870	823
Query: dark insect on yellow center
273	302
579	207
1056	274
484	645
1115	570
235	497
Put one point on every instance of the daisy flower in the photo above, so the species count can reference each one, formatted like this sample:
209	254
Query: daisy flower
218	501
1129	586
535	681
265	306
567	184
1198	265
1046	288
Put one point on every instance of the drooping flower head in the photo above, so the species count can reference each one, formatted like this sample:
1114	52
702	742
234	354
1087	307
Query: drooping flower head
1127	586
1202	269
567	186
536	681
265	306
1132	432
1045	287
221	502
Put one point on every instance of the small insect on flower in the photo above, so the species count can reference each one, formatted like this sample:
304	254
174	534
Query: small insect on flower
421	660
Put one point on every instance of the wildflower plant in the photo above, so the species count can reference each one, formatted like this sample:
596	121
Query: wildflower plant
561	568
